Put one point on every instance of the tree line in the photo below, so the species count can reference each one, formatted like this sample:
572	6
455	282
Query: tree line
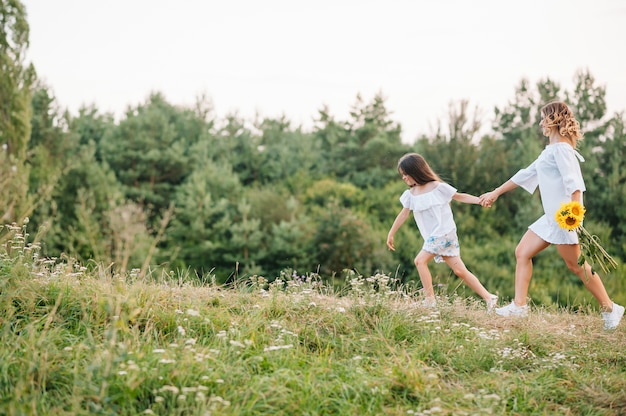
178	188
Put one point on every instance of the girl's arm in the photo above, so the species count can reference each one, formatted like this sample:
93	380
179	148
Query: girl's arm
466	198
489	198
402	216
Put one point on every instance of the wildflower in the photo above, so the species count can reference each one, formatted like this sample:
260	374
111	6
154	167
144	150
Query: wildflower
570	217
277	347
219	399
169	388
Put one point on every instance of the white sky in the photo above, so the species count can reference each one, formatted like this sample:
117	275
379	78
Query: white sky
292	57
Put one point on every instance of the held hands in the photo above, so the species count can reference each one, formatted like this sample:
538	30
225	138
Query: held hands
487	199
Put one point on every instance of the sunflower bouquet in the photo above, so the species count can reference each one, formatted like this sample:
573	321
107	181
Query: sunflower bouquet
570	217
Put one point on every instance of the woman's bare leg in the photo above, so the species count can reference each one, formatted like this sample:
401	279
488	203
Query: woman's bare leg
529	246
592	281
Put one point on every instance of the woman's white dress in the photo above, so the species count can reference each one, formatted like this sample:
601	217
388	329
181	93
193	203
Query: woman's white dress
557	173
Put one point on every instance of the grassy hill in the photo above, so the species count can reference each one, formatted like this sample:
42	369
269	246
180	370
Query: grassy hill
82	342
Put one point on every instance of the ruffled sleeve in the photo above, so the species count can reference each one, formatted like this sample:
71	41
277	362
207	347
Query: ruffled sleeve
444	192
405	199
567	163
527	178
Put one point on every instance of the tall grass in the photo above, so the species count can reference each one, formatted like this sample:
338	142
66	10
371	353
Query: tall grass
78	341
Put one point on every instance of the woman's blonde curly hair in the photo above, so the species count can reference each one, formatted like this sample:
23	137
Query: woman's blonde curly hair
558	115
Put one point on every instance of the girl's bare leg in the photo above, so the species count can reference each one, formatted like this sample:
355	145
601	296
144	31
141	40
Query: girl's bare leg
592	281
459	269
529	246
421	263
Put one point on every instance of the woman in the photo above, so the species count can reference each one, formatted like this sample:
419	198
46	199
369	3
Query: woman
557	173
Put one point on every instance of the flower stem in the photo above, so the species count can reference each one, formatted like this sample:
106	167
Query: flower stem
592	250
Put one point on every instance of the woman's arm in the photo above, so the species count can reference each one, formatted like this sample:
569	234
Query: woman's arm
488	198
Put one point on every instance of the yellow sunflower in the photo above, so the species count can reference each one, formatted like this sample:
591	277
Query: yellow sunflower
577	209
570	215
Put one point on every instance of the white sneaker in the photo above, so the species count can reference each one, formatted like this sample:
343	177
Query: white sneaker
513	310
611	319
491	303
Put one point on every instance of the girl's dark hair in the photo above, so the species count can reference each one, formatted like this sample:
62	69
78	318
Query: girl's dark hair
415	166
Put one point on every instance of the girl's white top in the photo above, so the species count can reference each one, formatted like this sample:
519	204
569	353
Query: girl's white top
557	172
431	210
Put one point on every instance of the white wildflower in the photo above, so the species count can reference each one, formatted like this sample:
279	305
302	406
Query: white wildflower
277	347
220	400
172	389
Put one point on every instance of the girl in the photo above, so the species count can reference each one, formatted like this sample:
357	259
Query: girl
429	199
557	173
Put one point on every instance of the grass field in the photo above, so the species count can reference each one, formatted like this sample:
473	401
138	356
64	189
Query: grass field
78	341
